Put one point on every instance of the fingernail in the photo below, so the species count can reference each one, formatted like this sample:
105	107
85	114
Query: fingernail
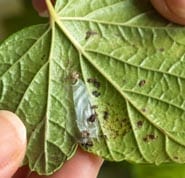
12	140
177	7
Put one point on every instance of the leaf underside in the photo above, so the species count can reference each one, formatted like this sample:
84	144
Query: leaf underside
138	60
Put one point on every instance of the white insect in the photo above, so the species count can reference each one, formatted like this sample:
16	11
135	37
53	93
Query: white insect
85	114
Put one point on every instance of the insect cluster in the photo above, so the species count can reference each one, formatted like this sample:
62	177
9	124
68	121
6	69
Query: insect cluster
86	117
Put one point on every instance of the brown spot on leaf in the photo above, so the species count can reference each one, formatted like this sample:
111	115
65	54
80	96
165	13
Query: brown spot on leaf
43	57
142	83
140	123
133	45
94	107
151	136
175	157
145	139
106	115
89	34
124	120
143	109
161	49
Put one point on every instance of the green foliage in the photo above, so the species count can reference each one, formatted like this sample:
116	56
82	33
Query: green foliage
132	63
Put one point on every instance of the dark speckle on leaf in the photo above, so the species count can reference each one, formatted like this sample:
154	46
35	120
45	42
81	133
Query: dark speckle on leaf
43	57
161	49
96	93
151	136
94	107
140	123
175	157
104	136
89	34
145	139
142	83
134	46
143	109
106	115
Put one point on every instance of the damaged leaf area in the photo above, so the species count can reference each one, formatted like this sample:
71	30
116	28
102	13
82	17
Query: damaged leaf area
106	75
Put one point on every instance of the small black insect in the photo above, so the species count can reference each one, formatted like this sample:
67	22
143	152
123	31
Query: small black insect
85	139
43	57
87	144
96	93
92	118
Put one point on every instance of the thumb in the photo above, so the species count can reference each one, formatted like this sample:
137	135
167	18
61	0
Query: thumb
12	143
173	10
40	7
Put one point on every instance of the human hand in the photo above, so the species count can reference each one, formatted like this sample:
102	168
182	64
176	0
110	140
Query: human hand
12	151
173	10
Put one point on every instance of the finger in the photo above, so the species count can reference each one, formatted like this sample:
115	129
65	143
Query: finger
173	10
82	165
22	172
12	143
40	7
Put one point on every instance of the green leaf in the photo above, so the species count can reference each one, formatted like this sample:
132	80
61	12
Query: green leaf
132	64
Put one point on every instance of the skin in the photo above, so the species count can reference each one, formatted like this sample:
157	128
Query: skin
173	10
13	132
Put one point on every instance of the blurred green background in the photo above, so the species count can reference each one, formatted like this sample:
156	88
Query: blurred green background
16	14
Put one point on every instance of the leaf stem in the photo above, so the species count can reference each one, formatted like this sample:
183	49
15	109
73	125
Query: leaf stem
55	17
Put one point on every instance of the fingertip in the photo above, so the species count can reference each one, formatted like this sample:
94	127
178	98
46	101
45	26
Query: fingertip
173	10
82	165
12	143
89	158
40	7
